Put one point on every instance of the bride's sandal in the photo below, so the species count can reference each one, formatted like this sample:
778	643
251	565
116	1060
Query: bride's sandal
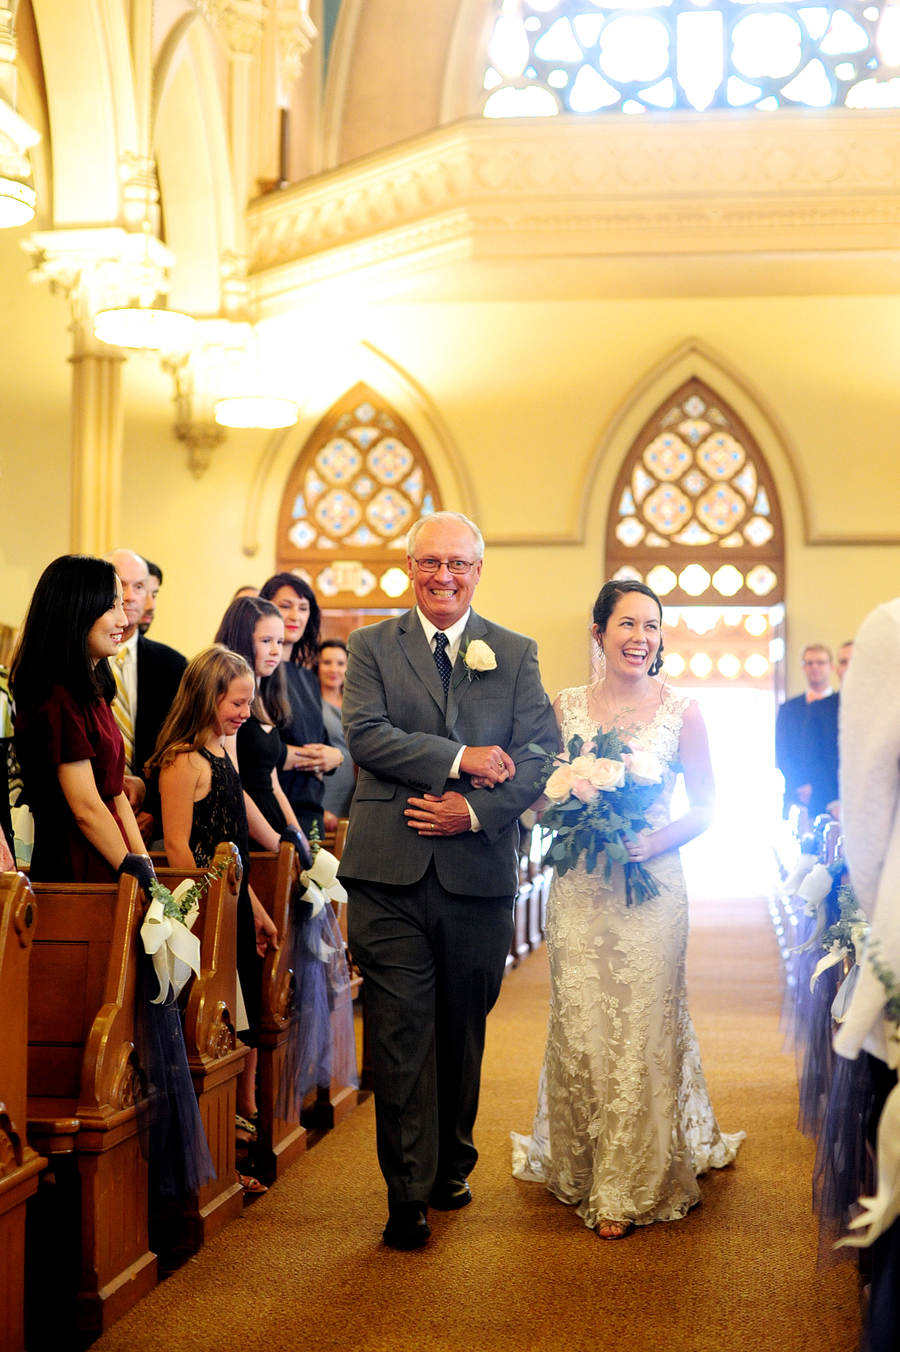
614	1229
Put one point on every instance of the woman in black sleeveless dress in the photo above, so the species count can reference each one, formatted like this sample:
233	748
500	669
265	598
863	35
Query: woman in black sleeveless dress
203	805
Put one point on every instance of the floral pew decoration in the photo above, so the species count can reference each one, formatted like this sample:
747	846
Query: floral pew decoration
599	793
173	1137
322	1043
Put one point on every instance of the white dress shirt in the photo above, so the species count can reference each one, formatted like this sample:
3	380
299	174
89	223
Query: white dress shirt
454	635
129	671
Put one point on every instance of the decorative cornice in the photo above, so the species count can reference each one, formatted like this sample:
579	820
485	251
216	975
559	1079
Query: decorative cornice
239	23
593	187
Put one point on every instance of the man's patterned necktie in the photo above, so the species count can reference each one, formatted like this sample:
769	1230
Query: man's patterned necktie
442	661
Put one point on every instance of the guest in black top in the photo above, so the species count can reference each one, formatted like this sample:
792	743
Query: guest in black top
340	786
254	629
310	754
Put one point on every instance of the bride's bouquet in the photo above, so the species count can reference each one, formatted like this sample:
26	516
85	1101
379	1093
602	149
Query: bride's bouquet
599	792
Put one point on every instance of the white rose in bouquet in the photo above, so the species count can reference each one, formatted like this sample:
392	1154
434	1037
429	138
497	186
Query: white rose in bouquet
583	765
607	774
559	785
479	656
644	767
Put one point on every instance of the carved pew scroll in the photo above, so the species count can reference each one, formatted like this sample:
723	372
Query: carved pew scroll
19	1163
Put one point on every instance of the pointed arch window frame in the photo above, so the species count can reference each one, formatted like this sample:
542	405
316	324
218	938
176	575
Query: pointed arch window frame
362	566
642	558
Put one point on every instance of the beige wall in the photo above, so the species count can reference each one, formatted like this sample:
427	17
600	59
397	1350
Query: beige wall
536	401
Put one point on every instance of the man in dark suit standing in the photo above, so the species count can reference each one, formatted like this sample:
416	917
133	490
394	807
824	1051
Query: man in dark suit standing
147	676
439	709
792	727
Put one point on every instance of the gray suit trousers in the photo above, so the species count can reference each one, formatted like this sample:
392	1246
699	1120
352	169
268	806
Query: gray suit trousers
433	964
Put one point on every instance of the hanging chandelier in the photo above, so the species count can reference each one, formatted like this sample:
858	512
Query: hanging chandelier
256	410
17	202
145	327
17	197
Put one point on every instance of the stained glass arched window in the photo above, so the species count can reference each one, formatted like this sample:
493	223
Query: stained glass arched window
632	56
359	483
695	513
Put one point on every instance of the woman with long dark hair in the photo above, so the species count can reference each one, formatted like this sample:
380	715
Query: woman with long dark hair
310	756
67	742
624	1123
254	628
331	670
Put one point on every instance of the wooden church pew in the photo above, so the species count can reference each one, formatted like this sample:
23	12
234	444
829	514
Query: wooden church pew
85	1090
19	1163
214	1053
276	878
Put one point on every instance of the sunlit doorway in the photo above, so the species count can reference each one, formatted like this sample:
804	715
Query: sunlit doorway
731	661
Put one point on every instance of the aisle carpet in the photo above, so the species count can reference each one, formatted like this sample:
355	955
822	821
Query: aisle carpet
516	1270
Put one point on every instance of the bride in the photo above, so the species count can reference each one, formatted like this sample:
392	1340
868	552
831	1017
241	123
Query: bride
624	1123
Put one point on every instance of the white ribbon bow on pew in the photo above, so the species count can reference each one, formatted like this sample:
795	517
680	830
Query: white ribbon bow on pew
174	949
813	891
323	888
791	884
883	1209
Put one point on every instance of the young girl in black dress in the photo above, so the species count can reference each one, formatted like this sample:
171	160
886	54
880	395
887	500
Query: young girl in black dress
203	805
255	629
69	747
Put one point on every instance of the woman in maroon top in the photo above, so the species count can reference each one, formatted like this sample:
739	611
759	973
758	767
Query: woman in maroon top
69	747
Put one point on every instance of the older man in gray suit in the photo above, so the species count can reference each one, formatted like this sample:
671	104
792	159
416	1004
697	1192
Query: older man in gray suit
439	709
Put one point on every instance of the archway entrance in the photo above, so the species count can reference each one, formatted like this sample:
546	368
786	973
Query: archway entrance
695	514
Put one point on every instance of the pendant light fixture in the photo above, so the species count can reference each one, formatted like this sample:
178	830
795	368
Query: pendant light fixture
144	325
255	407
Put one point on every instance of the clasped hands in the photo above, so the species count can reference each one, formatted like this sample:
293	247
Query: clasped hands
448	815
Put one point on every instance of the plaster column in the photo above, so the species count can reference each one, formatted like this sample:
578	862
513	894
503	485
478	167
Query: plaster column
96	433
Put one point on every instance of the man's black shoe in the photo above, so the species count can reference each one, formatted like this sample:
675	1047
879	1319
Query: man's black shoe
451	1194
407	1227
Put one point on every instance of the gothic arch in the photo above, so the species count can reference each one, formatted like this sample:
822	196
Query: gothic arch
695	511
359	483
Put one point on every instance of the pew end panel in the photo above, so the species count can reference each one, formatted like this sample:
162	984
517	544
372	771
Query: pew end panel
20	1163
85	1087
275	879
214	1053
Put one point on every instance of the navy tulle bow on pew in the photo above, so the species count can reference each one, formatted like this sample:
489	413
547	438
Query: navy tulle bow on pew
321	1046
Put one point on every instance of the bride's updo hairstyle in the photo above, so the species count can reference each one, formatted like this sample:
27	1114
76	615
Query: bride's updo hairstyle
610	595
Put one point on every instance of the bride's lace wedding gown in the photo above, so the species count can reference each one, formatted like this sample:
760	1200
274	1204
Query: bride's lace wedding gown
624	1123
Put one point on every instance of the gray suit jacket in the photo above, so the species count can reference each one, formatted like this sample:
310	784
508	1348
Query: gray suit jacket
405	742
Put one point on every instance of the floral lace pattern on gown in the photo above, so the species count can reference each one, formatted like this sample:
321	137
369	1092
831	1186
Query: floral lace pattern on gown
624	1122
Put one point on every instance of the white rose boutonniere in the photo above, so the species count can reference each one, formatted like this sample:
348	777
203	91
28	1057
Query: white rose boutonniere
478	657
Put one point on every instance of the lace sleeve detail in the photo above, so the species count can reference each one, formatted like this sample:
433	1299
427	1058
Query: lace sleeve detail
573	707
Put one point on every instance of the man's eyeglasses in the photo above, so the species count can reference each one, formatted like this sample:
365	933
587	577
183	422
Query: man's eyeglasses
459	567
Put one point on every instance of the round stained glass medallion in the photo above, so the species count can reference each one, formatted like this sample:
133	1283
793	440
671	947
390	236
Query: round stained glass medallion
667	456
761	580
667	508
721	456
337	512
661	579
721	509
389	512
338	461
